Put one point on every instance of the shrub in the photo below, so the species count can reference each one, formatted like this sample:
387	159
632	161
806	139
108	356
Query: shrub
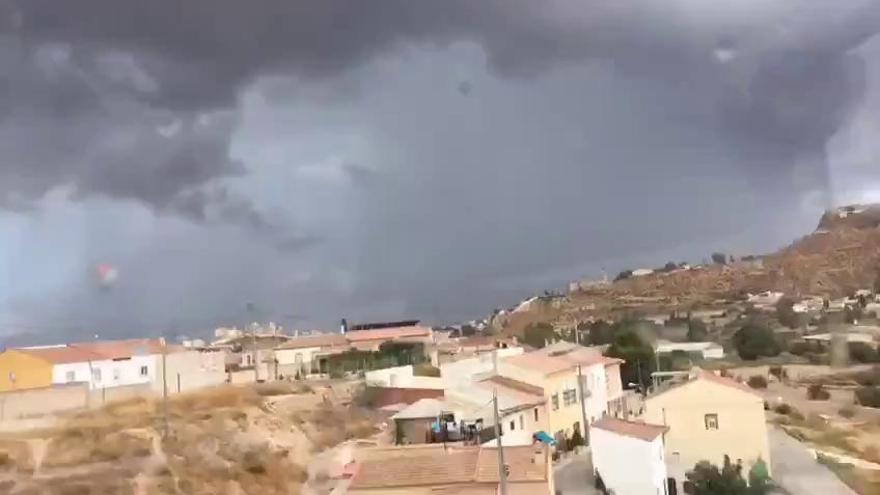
799	348
817	391
754	340
757	381
426	369
847	412
779	372
868	396
861	352
783	408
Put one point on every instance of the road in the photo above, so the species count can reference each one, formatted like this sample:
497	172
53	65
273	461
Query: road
795	469
574	476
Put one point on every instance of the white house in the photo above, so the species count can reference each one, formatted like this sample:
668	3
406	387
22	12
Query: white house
708	350
102	364
300	354
629	456
641	272
766	298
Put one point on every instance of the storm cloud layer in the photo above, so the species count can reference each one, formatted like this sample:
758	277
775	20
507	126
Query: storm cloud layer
399	185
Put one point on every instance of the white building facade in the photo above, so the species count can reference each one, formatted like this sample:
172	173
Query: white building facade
629	456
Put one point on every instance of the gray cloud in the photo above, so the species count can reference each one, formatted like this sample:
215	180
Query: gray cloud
590	116
791	81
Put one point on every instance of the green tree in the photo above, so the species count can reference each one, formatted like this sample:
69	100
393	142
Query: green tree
754	340
600	333
707	479
862	352
719	258
785	313
638	357
537	334
697	331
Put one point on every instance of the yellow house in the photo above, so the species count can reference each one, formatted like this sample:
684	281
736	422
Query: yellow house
710	416
23	370
555	370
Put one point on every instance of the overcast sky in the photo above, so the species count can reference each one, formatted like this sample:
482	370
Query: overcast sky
396	159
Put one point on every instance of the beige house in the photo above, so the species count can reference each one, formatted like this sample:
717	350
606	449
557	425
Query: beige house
446	470
708	417
554	370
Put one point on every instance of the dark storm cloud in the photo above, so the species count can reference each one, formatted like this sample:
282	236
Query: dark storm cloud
138	101
797	82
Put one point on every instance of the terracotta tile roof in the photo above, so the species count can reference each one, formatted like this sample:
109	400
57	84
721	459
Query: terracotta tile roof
61	354
559	357
524	393
321	340
96	351
700	374
634	429
434	465
388	333
520	459
121	349
723	380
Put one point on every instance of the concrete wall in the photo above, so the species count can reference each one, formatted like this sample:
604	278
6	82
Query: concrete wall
40	402
398	376
741	433
36	402
386	396
247	376
189	370
628	465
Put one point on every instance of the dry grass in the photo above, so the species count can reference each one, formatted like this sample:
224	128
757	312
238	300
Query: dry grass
84	445
862	481
331	426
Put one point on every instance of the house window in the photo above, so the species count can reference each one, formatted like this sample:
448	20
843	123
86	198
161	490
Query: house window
116	373
248	359
711	421
554	401
569	397
96	374
522	424
298	358
144	371
70	376
536	414
512	426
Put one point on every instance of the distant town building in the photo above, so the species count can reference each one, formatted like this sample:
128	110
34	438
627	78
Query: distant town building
706	350
629	456
641	272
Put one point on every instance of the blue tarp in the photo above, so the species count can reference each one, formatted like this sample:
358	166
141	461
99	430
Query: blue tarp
545	438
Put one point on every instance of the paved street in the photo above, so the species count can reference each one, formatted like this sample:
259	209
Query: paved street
795	469
574	476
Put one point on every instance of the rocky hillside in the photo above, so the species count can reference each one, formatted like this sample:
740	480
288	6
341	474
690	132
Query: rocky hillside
842	255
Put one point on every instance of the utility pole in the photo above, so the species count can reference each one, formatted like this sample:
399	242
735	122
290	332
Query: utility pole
164	388
583	401
502	467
